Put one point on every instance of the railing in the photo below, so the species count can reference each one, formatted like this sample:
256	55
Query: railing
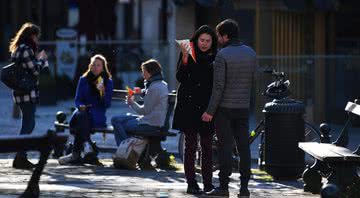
124	57
323	82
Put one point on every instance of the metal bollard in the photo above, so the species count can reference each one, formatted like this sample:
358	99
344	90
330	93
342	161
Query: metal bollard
330	191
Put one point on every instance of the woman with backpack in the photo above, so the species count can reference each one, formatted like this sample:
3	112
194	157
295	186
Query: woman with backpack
23	48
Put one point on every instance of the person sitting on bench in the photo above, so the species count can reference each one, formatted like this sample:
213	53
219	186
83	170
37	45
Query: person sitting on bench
93	97
152	113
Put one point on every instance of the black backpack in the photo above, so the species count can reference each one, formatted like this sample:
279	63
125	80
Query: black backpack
17	78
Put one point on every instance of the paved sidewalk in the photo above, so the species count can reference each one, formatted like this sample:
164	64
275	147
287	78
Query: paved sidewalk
91	181
97	182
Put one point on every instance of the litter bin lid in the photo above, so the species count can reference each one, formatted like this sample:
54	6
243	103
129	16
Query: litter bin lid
66	33
284	106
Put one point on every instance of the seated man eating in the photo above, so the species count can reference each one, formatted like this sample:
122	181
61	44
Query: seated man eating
152	114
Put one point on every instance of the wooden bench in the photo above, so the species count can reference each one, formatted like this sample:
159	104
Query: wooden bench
154	147
332	160
42	143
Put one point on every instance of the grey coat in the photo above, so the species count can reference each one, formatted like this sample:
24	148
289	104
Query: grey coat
153	111
234	68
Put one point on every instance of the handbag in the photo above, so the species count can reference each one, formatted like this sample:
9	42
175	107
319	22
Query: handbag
128	152
17	78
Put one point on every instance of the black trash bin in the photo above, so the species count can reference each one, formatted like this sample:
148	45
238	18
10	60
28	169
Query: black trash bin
284	128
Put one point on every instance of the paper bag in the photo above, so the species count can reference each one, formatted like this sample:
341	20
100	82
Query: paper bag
129	152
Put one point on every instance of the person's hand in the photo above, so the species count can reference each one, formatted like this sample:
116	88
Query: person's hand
82	107
129	100
185	54
137	90
101	87
206	117
45	71
42	55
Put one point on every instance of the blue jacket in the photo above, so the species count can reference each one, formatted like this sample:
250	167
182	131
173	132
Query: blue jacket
98	105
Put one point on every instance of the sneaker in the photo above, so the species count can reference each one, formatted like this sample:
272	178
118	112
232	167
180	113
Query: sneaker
244	193
21	162
72	158
219	192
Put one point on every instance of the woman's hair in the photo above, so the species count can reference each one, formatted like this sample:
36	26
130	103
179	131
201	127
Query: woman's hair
104	63
152	66
24	35
228	27
207	30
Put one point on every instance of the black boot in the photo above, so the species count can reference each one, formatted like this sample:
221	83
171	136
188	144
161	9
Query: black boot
208	188
244	191
90	154
21	162
193	189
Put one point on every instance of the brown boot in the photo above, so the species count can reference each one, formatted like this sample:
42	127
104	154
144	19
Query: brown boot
21	162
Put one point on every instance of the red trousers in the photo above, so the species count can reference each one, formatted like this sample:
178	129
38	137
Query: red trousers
191	144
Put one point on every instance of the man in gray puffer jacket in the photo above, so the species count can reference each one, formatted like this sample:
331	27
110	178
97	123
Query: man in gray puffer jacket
234	68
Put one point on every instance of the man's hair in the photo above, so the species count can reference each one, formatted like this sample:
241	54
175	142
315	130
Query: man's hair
229	27
152	66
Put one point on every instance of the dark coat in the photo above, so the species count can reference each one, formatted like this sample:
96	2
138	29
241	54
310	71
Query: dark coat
194	91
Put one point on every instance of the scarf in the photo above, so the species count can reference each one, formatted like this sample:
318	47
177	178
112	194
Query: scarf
92	80
153	78
29	42
204	58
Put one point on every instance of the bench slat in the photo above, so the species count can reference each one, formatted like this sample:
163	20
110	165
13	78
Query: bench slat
27	142
110	129
119	94
353	108
328	152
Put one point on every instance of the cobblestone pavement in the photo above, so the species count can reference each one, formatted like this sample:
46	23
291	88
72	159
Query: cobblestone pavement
94	181
91	181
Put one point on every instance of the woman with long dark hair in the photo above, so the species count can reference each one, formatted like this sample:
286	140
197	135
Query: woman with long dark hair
23	48
195	74
93	97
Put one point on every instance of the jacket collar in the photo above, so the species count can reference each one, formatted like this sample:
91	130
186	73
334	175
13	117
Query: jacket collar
232	42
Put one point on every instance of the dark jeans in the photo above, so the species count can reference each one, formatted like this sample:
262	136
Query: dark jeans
230	125
81	122
191	144
28	118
